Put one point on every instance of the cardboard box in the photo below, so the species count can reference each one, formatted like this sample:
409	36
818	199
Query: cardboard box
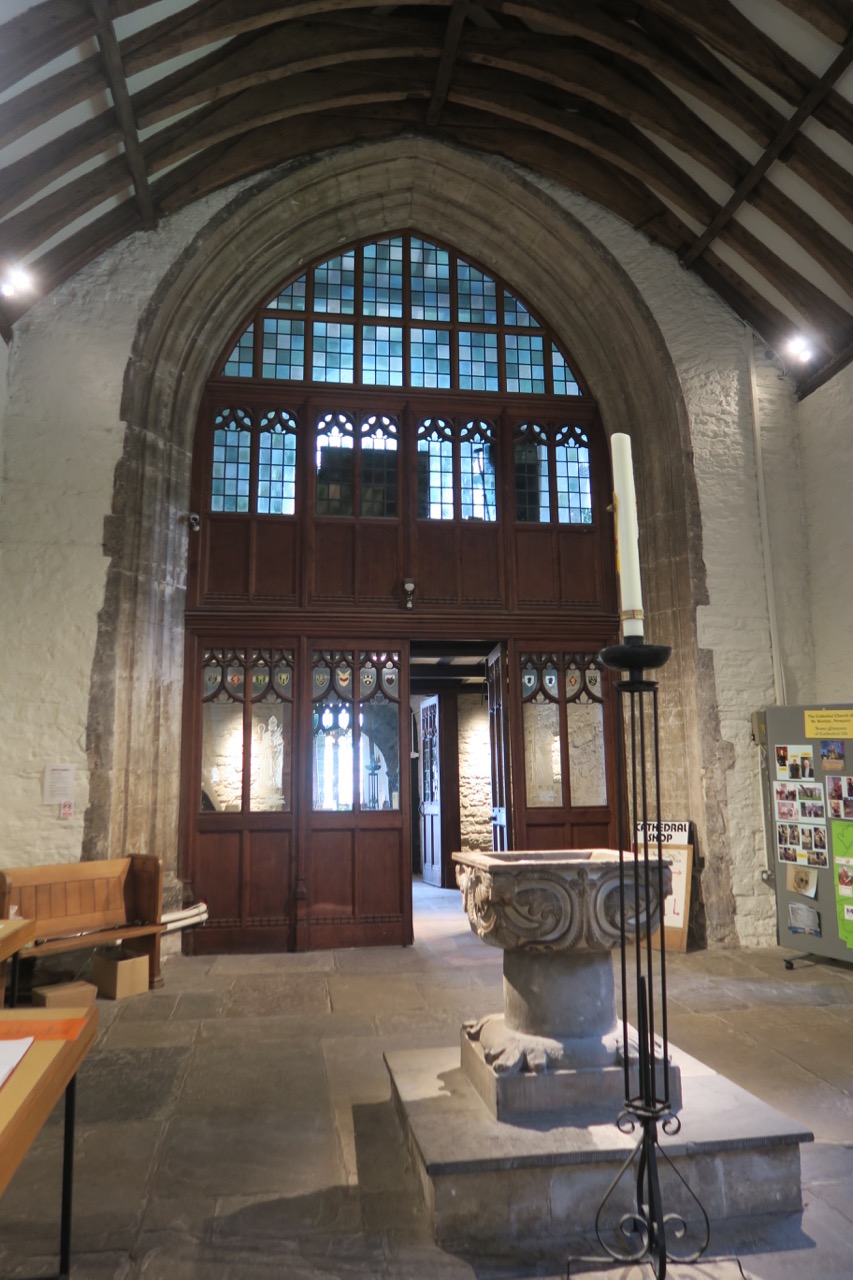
66	995
119	973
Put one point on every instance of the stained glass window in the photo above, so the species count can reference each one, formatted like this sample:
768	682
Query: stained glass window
477	471
574	499
283	348
334	463
241	362
232	458
435	469
459	327
277	464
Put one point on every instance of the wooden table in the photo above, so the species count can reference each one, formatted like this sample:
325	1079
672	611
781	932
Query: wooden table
15	934
49	1067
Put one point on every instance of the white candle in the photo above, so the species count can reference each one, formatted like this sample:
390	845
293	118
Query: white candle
627	537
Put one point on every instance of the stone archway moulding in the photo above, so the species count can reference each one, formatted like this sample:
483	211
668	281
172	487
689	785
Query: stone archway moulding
492	212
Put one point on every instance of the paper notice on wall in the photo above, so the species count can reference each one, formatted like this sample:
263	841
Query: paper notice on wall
58	783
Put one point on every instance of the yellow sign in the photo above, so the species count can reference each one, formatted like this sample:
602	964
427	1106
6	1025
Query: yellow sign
829	724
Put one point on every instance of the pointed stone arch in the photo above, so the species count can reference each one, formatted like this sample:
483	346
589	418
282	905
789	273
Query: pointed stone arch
493	213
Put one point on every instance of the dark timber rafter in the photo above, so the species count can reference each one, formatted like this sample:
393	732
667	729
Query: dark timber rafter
124	111
443	76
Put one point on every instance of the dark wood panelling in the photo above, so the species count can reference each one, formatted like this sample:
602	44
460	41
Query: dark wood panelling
216	873
274	565
536	565
268	876
379	575
379	884
593	834
333	569
434	560
227	556
480	564
331	859
580	579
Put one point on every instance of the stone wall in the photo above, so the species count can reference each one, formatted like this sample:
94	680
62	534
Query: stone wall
475	780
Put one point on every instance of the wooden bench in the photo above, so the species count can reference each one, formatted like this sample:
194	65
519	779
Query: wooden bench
78	905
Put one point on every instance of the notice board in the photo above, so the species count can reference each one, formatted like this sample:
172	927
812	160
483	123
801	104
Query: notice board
809	782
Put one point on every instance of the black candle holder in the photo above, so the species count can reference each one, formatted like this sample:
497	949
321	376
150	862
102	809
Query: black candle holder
646	1232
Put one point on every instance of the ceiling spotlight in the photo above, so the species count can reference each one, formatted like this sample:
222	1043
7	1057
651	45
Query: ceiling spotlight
15	282
799	348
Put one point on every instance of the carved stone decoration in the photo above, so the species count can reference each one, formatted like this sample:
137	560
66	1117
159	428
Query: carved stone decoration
557	916
552	901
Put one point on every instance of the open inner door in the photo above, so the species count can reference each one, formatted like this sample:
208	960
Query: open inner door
496	679
430	791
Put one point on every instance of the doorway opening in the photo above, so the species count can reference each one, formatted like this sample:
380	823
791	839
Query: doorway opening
451	758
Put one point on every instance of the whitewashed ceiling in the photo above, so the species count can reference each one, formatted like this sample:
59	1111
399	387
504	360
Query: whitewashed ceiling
723	129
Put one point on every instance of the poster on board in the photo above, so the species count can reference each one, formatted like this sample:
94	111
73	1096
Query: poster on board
677	851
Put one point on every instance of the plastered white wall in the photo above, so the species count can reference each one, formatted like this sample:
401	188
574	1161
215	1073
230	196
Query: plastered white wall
826	460
63	438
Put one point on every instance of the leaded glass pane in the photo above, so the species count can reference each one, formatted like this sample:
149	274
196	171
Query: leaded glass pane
382	356
380	770
477	473
383	278
477	296
585	725
271	742
565	383
283	348
430	283
517	315
333	352
430	358
478	361
525	363
435	470
277	464
241	362
292	298
223	686
532	491
334	285
571	469
333	725
334	463
542	764
379	466
231	465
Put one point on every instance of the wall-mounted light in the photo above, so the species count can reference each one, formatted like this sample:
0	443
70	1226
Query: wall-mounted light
15	282
194	522
409	591
799	348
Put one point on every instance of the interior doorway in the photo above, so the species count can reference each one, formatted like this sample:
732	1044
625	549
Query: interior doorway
452	777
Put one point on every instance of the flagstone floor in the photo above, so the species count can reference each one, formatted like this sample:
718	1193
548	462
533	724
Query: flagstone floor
237	1124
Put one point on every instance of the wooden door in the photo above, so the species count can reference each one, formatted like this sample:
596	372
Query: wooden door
499	742
430	807
242	809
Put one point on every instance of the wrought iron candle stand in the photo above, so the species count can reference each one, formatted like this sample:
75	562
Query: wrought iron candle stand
643	1231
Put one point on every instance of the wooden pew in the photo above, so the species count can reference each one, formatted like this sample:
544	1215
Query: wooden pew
90	904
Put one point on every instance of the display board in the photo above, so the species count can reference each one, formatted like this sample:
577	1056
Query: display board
809	781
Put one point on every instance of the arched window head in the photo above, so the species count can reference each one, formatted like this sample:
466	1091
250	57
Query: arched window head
401	312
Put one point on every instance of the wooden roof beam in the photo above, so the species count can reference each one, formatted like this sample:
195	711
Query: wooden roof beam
447	61
117	81
785	135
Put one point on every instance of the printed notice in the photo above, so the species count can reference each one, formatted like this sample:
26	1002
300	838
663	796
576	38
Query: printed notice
58	783
829	724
